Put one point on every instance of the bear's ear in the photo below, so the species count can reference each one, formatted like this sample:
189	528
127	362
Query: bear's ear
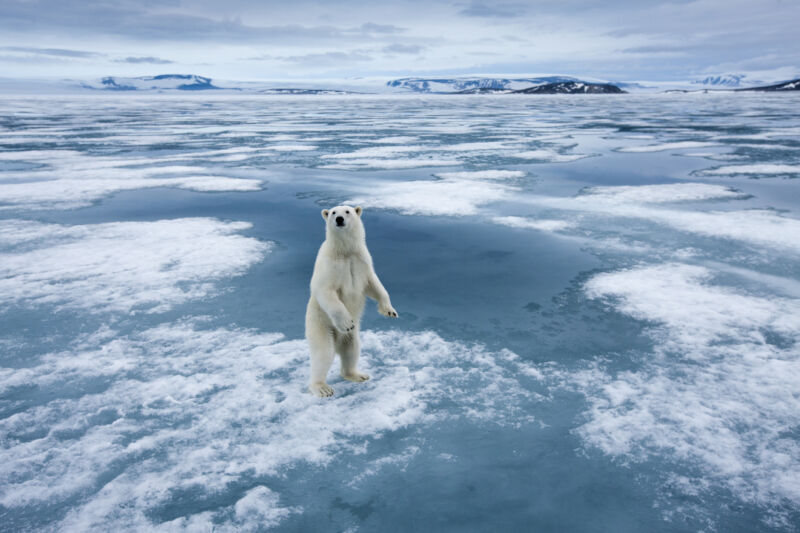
325	214
358	210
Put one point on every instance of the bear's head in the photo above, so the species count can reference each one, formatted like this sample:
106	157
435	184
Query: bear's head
344	223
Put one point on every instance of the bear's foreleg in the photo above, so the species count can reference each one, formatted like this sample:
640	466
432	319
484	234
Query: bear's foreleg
333	307
377	292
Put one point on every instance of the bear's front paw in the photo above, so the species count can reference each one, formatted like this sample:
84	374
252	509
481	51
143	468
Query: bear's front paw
344	323
387	310
320	390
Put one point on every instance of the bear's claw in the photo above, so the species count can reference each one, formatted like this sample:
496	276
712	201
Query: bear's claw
345	325
390	312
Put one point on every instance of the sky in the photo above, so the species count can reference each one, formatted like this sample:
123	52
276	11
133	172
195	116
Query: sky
616	40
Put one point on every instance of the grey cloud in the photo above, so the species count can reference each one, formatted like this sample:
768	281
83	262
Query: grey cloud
139	21
397	48
479	9
53	52
152	60
371	27
26	60
659	49
326	58
658	39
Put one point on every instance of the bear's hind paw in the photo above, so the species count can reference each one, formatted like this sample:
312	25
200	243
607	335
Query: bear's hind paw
321	390
357	377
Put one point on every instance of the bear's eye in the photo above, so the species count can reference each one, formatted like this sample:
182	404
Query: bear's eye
333	213
347	212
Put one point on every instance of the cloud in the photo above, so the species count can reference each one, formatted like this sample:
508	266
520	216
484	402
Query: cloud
371	27
660	49
326	58
397	48
52	52
479	9
621	39
149	59
144	21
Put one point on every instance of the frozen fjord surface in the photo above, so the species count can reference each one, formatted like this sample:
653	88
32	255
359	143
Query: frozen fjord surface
629	316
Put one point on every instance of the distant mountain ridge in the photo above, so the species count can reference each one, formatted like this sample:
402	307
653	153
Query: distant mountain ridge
723	80
474	84
302	91
546	84
745	82
791	85
179	82
572	87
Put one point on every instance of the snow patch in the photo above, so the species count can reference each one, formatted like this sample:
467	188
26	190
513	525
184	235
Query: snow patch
717	396
75	193
440	197
208	410
763	168
549	156
121	266
391	164
527	223
656	194
483	175
397	139
680	145
755	227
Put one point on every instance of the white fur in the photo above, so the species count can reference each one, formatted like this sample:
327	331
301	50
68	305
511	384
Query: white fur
343	277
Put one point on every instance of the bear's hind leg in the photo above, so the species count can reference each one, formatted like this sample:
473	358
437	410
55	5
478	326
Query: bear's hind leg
322	354
349	348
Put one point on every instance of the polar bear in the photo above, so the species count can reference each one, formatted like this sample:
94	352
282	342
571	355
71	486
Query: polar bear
343	277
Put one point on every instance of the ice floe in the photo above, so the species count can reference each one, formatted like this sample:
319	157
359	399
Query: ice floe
74	193
760	227
679	145
184	409
768	169
717	397
391	164
537	224
434	197
663	193
121	266
483	174
290	147
548	156
397	139
69	179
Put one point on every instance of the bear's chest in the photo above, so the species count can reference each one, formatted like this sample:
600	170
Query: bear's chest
352	276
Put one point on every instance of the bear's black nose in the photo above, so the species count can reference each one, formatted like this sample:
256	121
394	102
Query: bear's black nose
340	221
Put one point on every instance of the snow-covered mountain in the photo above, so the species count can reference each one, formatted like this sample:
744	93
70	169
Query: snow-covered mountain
304	91
791	85
166	83
178	82
746	80
723	80
473	84
572	87
486	84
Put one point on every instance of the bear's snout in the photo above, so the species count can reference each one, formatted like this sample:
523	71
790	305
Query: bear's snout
340	221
